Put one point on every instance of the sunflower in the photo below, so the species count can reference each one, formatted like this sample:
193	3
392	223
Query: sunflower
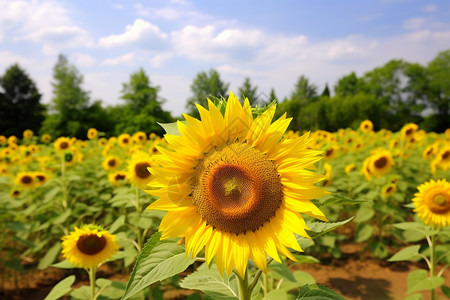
124	140
350	167
140	137
92	133
331	152
381	163
117	178
62	143
15	193
102	142
408	131
28	133
235	186
432	202
40	178
366	126
88	246
429	152
12	140
111	163
443	158
328	171
46	138
2	140
388	190
25	179
138	172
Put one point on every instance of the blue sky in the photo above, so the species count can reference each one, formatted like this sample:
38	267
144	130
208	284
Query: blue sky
272	42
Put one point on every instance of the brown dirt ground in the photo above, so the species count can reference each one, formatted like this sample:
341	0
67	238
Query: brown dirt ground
352	276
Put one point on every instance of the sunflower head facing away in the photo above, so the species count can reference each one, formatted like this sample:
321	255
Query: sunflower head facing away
236	186
88	246
432	202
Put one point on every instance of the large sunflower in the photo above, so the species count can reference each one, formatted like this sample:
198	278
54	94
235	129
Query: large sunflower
234	185
88	246
432	202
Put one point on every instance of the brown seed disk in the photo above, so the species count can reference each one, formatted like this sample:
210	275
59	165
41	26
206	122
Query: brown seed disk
91	244
381	162
141	170
236	188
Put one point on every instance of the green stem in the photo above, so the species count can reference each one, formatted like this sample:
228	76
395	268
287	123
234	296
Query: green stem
92	272
244	291
63	179
138	210
432	260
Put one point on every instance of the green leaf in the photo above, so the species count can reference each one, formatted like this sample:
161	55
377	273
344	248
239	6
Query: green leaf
320	228
49	257
158	260
281	271
65	264
113	289
363	233
61	288
305	259
419	281
62	217
410	225
446	290
317	292
117	224
279	294
14	264
364	213
301	278
211	283
414	297
406	253
171	128
335	199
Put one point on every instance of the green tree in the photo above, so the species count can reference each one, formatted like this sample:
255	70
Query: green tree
439	98
143	107
304	92
20	106
326	91
348	85
204	86
69	102
248	91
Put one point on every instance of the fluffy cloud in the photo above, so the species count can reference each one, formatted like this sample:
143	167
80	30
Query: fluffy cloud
141	33
126	59
413	23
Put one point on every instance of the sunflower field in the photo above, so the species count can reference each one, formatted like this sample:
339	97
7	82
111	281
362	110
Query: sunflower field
228	206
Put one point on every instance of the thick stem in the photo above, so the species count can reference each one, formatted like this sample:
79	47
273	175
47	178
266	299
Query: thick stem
244	291
92	272
139	236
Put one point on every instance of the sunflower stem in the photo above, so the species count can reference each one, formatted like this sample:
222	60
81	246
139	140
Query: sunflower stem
92	272
432	260
63	179
244	291
138	210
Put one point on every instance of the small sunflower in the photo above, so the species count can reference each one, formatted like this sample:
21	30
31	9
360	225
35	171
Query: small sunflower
28	133
443	158
429	152
102	142
328	171
117	178
235	186
15	193
40	178
92	133
89	246
331	152
408	131
138	172
46	138
381	163
124	140
3	140
25	179
140	137
350	167
111	163
62	144
388	190
12	140
366	126
432	202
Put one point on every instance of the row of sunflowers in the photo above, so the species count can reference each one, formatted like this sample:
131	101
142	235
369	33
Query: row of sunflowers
234	185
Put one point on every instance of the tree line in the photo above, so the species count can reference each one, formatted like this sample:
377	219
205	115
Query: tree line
390	96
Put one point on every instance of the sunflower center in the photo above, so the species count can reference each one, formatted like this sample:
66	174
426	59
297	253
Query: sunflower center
329	152
408	131
112	162
381	162
26	179
64	145
236	188
439	200
125	141
120	177
40	178
141	170
445	155
91	243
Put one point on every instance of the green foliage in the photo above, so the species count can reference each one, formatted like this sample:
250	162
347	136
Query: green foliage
204	86
249	92
20	106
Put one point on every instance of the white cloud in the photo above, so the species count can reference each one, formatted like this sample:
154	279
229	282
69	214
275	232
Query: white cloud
118	6
126	59
413	23
8	58
83	60
44	22
430	8
141	33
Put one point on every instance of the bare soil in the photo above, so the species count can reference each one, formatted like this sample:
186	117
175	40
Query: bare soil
353	276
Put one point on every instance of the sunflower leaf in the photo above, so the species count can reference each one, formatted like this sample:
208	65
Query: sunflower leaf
406	253
419	281
317	292
317	229
339	200
170	128
211	283
61	288
49	257
158	260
